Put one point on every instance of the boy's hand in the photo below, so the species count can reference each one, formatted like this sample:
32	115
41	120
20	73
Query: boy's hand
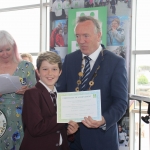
72	127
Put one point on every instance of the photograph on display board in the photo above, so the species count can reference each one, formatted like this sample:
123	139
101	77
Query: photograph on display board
99	13
77	4
61	51
66	7
123	132
56	10
59	40
118	50
115	32
119	7
118	33
118	30
59	8
59	34
59	37
123	138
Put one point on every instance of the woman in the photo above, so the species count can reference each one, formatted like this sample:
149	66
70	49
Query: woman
28	57
11	129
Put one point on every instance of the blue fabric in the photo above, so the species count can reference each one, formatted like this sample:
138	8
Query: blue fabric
76	144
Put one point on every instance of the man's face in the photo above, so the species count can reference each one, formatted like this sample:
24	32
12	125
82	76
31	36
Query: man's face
87	38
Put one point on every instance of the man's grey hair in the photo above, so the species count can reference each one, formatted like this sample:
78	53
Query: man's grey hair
97	23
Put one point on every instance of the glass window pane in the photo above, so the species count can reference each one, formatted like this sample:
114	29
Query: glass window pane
24	26
142	25
142	75
144	134
34	60
144	105
15	3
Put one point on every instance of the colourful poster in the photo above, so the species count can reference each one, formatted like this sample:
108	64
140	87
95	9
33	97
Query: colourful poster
99	13
117	31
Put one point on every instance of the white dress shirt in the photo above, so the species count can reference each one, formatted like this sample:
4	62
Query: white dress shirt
93	57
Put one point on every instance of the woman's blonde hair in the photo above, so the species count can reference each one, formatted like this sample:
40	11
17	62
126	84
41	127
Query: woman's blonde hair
28	55
7	39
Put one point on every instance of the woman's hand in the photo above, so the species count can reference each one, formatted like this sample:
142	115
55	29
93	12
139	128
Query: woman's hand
22	90
72	127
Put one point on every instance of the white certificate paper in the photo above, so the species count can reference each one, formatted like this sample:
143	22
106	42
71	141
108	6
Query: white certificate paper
77	105
9	84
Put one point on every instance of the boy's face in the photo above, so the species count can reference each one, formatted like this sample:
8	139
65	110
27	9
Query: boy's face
115	25
49	73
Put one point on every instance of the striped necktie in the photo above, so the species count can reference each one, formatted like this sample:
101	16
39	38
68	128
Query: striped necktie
86	71
53	96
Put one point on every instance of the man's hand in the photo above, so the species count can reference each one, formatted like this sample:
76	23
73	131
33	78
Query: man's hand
90	123
72	127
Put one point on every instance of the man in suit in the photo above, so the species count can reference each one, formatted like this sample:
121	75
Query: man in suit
107	73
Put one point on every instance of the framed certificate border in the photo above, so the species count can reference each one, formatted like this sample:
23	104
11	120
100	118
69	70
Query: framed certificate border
95	94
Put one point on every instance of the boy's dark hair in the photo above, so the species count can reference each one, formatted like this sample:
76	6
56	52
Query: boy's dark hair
49	56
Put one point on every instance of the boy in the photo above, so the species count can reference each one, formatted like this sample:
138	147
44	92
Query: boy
41	130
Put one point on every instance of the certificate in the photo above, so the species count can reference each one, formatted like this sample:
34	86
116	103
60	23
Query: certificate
9	83
77	105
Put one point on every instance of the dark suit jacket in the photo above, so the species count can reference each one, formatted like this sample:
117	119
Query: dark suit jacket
111	79
41	130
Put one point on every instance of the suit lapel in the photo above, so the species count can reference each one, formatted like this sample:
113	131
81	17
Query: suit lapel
46	97
78	61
